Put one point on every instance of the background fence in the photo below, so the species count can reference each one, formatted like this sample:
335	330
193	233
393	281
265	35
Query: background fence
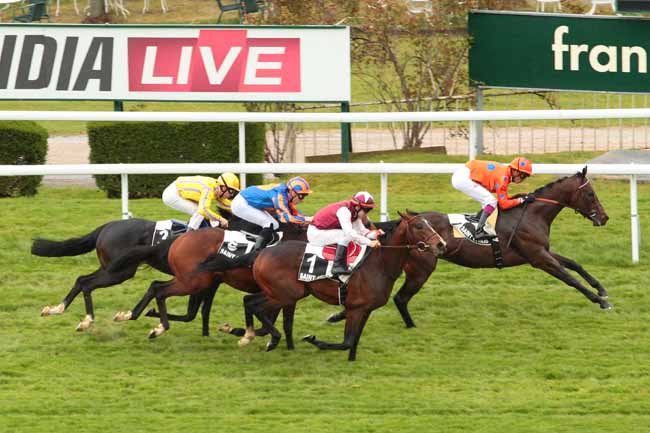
472	117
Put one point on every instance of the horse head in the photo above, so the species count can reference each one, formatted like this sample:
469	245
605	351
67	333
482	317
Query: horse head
421	233
585	201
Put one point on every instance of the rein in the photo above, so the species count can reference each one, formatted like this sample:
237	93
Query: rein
420	246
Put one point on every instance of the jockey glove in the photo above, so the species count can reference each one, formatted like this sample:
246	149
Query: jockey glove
529	198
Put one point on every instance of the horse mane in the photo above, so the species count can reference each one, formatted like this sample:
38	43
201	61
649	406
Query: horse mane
550	185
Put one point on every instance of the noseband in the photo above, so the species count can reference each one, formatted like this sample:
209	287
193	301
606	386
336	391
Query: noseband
421	246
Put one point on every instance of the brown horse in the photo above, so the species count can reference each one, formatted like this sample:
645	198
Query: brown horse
184	256
527	228
276	272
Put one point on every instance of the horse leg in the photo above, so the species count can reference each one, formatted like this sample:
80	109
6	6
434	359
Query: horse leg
202	299
336	317
546	262
208	297
162	308
254	305
100	278
575	266
356	335
287	324
226	328
141	305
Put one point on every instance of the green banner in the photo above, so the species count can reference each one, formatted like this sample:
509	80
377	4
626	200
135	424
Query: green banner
566	52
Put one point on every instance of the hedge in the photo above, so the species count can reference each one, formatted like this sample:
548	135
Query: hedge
173	142
21	143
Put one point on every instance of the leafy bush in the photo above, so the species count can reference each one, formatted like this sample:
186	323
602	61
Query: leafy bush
21	143
173	142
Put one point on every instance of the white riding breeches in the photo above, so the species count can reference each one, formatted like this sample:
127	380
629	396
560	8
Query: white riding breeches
322	238
243	210
172	199
461	181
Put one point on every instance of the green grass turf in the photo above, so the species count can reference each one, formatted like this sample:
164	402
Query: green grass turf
494	351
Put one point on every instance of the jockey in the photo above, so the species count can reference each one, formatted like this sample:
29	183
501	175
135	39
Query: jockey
265	205
478	179
194	195
341	223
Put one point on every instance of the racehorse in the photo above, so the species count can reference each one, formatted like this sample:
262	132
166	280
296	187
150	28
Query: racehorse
185	254
110	241
523	234
276	272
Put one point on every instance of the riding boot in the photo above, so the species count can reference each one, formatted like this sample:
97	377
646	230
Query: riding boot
480	228
340	261
263	239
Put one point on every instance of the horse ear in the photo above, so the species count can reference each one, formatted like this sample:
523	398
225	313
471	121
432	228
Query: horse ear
411	212
584	171
401	215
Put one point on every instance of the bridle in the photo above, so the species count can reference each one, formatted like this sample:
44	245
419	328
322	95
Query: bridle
421	246
589	216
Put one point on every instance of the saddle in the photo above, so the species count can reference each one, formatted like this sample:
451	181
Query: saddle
317	261
464	226
166	229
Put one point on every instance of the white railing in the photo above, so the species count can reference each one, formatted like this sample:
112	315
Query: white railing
383	169
473	117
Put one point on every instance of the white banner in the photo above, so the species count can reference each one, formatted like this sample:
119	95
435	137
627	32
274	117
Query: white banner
178	63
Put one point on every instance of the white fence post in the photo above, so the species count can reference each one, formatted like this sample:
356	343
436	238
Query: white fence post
473	139
125	196
634	217
242	152
383	199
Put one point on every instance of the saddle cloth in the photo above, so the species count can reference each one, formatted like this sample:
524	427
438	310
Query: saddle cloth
167	228
317	261
238	243
465	226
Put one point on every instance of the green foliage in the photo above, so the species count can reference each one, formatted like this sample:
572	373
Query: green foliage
175	142
21	143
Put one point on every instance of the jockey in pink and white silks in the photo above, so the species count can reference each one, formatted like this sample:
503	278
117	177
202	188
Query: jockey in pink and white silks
341	223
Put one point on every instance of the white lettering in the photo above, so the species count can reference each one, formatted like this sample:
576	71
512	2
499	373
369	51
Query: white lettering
575	55
559	47
217	75
148	68
596	55
253	65
641	57
184	65
594	62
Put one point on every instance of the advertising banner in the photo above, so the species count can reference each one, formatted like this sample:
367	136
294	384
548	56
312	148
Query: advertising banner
566	52
178	63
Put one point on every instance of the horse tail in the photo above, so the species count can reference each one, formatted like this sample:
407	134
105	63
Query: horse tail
219	263
69	247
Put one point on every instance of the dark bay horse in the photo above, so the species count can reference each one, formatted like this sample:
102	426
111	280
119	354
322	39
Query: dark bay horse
184	256
110	241
276	272
529	244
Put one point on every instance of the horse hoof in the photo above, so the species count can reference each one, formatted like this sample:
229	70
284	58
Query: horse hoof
50	311
122	316
606	305
309	338
85	324
225	328
244	341
335	318
157	331
45	311
272	344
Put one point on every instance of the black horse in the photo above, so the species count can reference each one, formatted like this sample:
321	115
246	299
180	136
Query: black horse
523	234
110	241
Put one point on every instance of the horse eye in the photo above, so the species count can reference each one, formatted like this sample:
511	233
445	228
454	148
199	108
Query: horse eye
419	226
